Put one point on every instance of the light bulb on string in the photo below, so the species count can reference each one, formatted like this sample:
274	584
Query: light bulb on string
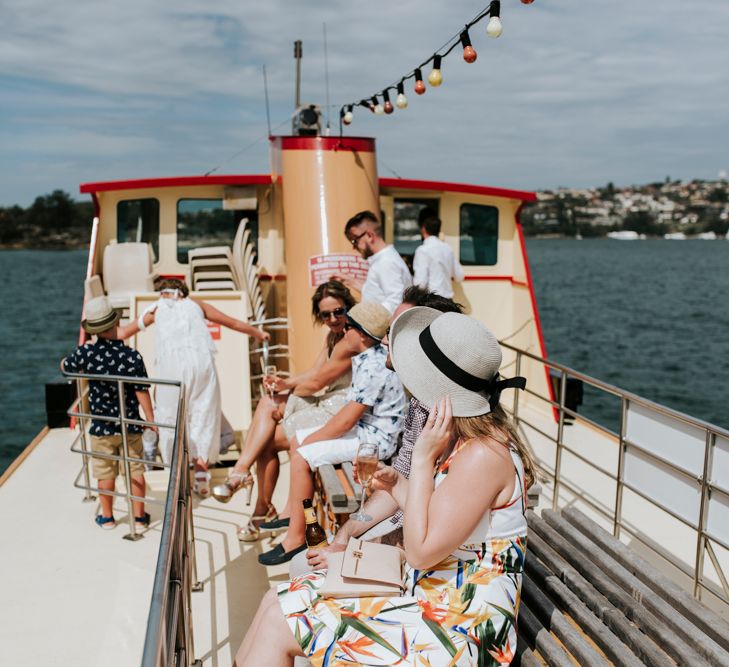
367	104
401	102
435	78
377	108
347	116
419	85
494	27
469	53
387	106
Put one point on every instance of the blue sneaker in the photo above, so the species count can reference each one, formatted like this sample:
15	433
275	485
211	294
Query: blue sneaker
143	520
105	522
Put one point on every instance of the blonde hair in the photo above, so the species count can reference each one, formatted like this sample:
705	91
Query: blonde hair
497	426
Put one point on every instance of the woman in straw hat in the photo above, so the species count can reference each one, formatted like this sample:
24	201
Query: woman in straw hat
465	526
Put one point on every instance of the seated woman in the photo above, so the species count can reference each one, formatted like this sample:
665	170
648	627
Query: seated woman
184	351
465	525
268	435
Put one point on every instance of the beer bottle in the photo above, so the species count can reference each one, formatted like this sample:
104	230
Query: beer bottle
316	538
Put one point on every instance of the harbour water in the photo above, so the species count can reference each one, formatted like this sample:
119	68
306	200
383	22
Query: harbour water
649	316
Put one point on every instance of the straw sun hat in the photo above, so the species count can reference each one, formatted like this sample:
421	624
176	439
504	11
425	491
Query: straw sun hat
100	316
370	318
437	354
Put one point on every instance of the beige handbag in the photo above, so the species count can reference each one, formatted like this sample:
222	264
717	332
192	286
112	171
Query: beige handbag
364	569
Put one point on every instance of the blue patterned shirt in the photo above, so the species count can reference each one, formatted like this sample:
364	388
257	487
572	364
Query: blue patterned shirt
109	357
380	389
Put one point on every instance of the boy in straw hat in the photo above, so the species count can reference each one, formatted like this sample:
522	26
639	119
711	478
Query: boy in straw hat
107	355
374	414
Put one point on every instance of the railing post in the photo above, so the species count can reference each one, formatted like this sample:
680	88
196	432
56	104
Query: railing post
515	409
560	435
703	513
88	496
618	517
133	534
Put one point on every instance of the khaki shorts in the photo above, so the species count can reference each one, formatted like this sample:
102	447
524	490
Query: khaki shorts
112	444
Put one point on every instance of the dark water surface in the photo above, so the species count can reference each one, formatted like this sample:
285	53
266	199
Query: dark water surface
649	316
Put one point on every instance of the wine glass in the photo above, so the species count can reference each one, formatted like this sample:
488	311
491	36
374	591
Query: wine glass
269	379
367	459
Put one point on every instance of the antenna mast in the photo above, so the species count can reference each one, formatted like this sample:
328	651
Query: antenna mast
297	56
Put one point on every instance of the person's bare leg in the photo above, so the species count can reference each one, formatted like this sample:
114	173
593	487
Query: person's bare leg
261	432
267	470
270	640
139	488
301	487
106	501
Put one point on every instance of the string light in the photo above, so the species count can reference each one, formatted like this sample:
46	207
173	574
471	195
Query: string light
469	53
494	27
419	85
435	78
401	102
387	106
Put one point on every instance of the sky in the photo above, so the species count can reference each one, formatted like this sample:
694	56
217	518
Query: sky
572	94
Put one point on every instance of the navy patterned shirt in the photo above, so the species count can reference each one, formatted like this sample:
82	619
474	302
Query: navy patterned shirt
109	357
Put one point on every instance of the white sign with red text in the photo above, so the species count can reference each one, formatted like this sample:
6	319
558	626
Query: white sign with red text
323	267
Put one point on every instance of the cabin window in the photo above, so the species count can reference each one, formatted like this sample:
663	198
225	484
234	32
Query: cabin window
479	234
406	229
137	221
202	223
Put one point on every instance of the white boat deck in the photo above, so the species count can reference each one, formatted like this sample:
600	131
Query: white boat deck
88	599
74	594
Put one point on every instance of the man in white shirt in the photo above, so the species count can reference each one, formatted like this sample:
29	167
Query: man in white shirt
388	275
434	264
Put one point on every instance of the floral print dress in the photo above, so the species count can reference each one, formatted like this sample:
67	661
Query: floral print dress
461	612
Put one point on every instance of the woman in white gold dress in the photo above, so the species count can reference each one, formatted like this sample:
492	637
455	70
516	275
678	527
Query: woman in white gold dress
184	351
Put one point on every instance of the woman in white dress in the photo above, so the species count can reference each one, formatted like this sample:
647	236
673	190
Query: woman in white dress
184	351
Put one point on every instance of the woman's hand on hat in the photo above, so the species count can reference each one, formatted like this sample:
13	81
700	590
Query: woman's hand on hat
436	434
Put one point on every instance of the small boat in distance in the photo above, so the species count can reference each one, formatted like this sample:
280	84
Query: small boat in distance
675	236
626	235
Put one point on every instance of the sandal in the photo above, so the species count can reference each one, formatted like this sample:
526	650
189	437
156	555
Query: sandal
251	532
201	486
236	481
143	520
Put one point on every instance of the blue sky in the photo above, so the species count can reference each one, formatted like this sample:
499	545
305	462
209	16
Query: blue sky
572	93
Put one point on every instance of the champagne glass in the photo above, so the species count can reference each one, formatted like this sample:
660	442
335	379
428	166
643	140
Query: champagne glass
367	459
269	379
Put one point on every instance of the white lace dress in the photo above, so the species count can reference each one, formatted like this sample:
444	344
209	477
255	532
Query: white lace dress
184	351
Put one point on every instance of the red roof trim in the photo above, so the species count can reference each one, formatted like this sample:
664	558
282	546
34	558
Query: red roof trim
177	181
359	144
407	184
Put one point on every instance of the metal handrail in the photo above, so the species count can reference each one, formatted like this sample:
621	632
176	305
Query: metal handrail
169	637
704	538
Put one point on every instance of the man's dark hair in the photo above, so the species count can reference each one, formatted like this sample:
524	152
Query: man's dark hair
431	225
364	216
426	212
419	296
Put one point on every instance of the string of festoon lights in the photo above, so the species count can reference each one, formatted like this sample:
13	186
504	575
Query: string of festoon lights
435	76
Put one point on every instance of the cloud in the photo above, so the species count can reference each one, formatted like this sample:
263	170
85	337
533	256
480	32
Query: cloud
571	94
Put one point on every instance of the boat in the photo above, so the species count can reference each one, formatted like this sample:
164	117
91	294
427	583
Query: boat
674	236
185	590
625	235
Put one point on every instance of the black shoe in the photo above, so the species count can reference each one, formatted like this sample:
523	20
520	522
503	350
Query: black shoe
277	555
274	524
143	520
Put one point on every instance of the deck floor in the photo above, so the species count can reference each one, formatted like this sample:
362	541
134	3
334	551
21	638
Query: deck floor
76	595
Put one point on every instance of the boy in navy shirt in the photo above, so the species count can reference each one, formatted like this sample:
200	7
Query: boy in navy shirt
108	355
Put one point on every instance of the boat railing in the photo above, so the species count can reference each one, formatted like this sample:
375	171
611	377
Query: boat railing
665	458
169	637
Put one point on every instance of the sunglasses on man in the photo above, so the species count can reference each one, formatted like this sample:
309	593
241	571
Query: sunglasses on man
354	240
324	315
